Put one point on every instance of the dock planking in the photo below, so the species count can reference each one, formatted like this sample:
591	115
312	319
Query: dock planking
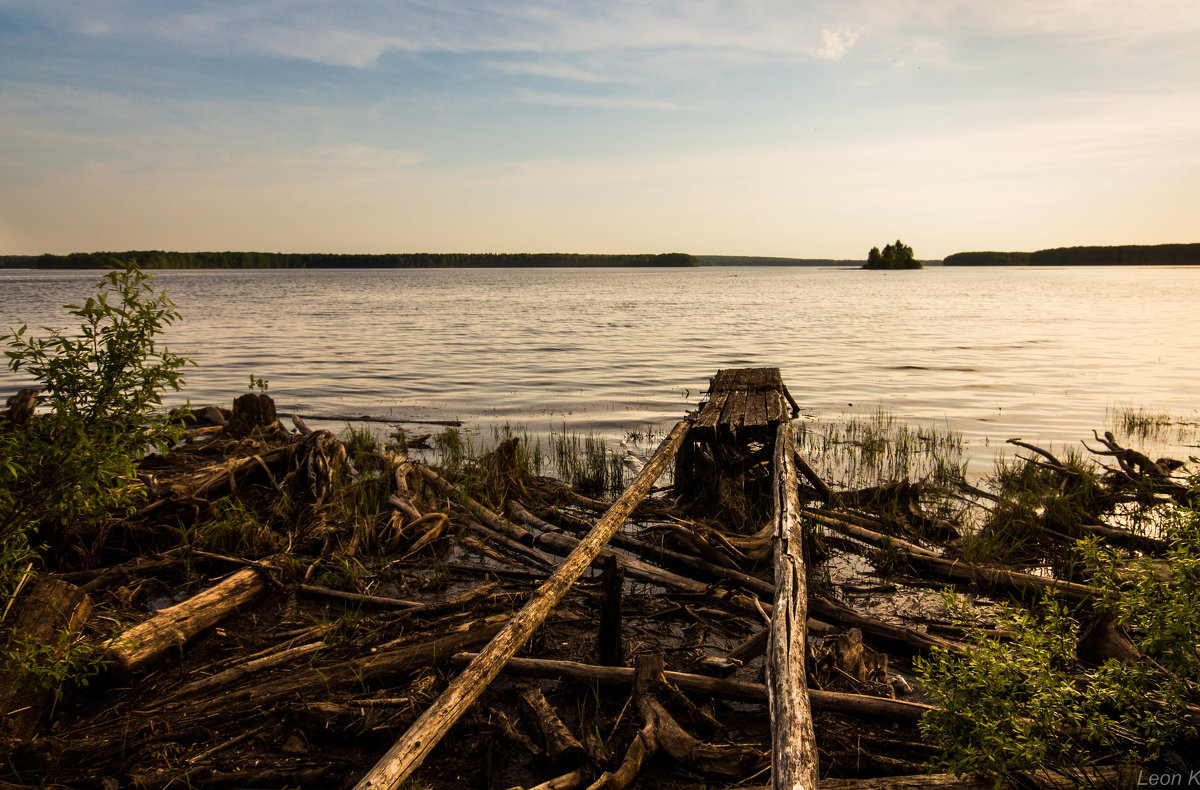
741	399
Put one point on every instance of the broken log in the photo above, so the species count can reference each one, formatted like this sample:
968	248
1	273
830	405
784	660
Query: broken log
876	539
1100	776
252	411
1002	580
908	639
563	748
355	599
530	555
981	576
729	761
793	743
51	614
411	749
170	628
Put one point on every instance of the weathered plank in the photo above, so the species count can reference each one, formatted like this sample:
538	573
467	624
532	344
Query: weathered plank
741	398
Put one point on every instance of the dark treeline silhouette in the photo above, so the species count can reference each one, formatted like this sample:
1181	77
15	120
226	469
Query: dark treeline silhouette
758	260
1126	255
158	259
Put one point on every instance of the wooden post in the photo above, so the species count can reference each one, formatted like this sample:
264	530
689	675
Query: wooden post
410	751
609	645
793	744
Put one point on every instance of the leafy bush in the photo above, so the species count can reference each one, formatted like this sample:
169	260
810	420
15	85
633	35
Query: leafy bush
77	463
1031	704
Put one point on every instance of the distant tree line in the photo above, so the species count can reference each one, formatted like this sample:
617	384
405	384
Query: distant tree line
159	259
1127	255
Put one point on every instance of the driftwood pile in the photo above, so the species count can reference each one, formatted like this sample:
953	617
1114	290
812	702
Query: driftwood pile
372	618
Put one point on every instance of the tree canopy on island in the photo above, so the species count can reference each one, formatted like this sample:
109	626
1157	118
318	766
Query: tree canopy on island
894	256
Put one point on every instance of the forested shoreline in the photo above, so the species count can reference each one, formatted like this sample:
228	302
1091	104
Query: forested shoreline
160	259
1124	255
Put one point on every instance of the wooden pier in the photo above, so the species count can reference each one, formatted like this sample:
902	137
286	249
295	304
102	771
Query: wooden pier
725	459
745	427
743	401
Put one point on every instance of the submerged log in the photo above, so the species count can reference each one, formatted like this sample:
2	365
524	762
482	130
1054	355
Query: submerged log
793	743
51	615
1001	580
412	748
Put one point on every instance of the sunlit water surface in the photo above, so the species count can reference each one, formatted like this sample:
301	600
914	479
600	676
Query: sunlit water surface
1042	354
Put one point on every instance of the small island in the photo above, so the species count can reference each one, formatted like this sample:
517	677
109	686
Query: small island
894	256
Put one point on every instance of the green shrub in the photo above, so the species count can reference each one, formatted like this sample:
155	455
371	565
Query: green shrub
77	463
1031	704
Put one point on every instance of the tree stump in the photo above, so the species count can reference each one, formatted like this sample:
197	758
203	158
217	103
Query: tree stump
251	411
51	614
20	406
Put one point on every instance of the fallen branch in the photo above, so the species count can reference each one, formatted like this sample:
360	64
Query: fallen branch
858	705
489	517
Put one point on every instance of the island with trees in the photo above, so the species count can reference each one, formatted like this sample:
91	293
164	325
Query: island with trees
894	256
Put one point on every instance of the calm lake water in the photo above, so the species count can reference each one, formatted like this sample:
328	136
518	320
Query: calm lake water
1038	353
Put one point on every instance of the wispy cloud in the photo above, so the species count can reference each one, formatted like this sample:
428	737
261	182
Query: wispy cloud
357	34
598	102
836	43
556	69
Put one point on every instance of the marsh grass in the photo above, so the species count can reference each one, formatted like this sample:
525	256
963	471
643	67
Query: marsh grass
530	459
586	463
235	529
1146	425
361	446
877	448
343	573
453	450
1030	502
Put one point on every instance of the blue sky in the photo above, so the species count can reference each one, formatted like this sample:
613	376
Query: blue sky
755	128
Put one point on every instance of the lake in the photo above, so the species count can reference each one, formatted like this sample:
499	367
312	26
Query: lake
1043	354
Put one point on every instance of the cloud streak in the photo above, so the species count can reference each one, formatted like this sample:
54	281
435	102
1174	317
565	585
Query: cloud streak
599	102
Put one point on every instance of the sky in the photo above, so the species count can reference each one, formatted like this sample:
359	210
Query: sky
761	127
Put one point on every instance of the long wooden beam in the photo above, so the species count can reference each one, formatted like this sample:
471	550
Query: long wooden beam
793	742
410	751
